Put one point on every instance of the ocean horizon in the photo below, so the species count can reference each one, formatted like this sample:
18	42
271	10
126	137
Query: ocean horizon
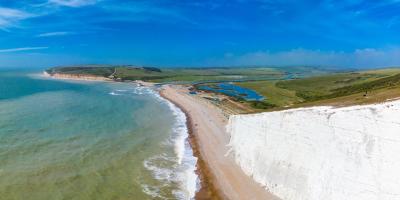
91	140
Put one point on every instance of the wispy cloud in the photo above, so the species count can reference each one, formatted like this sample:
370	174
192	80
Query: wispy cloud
8	16
22	49
345	27
73	3
362	58
53	34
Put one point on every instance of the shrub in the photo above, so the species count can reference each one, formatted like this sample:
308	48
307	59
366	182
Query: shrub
262	105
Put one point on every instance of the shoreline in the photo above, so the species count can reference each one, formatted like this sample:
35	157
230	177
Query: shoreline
207	189
221	177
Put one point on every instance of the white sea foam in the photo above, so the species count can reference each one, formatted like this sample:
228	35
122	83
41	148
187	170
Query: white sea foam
160	172
114	94
153	191
183	163
186	160
135	90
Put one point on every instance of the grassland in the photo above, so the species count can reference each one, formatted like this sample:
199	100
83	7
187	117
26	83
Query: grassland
274	95
335	89
98	70
188	75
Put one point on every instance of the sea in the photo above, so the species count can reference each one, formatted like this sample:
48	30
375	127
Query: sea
88	140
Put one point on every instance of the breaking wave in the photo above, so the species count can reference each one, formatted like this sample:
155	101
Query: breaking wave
178	169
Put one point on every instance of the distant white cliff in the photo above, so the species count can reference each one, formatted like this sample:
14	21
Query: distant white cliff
322	153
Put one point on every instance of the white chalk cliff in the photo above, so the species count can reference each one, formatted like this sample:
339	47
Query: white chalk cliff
322	152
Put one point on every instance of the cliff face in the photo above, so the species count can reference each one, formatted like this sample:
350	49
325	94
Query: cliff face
77	76
322	152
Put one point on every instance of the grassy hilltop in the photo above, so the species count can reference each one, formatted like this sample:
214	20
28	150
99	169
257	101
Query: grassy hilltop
346	88
192	75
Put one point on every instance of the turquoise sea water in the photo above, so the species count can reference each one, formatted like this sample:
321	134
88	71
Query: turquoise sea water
90	140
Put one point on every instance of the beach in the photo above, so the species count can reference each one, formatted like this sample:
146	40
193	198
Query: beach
221	177
207	125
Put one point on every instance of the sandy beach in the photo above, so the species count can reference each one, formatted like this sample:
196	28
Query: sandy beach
221	177
210	137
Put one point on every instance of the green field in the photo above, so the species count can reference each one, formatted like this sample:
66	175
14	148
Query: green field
97	70
189	75
274	95
358	87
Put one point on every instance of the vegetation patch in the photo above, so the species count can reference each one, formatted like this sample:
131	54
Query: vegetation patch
187	75
87	70
337	85
261	105
356	87
387	82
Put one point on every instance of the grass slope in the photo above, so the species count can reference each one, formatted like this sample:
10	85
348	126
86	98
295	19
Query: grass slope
331	86
85	70
334	89
274	95
187	74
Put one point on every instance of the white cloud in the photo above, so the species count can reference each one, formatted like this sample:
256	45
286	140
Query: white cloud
8	16
52	34
22	49
73	3
359	58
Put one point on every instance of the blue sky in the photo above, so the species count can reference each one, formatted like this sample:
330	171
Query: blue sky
350	33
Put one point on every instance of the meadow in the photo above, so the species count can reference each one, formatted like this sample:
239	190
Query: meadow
188	75
347	88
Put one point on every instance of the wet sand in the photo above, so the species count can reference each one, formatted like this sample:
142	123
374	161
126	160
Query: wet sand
221	177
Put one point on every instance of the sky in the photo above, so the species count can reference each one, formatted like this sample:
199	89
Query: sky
190	33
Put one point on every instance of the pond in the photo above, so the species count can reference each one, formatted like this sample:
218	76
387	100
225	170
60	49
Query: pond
233	91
